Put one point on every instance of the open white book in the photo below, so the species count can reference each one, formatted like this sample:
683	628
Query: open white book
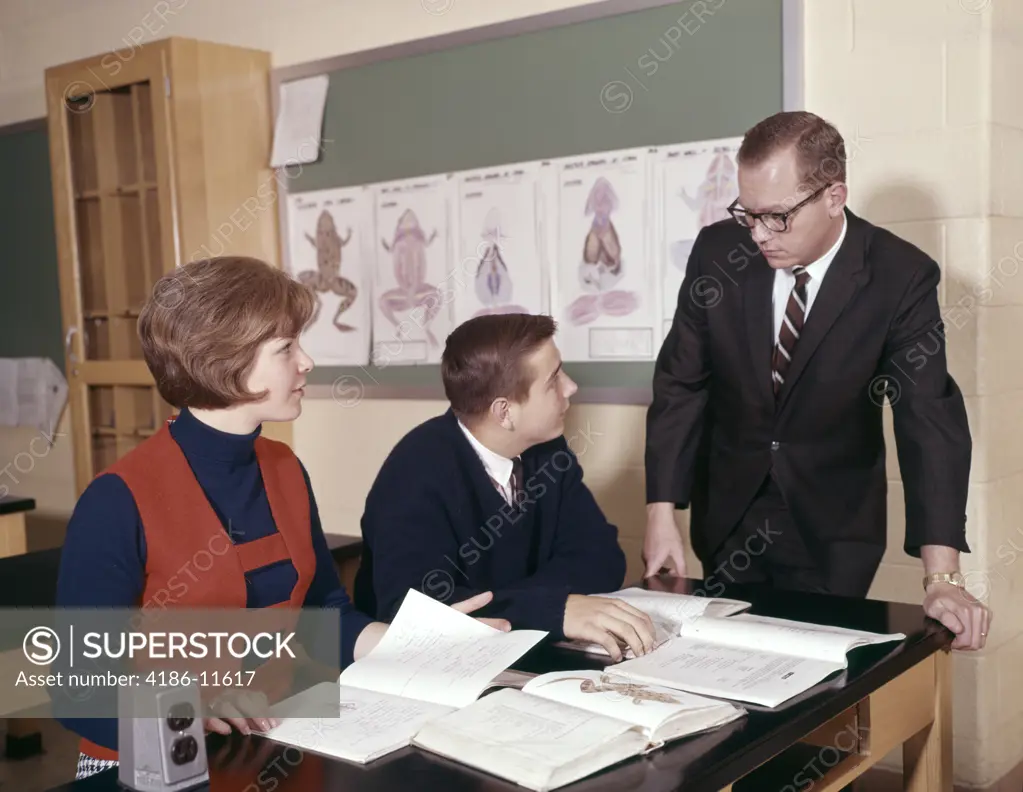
431	661
667	611
566	725
754	659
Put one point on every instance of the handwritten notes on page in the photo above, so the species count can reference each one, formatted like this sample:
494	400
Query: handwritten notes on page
434	653
369	726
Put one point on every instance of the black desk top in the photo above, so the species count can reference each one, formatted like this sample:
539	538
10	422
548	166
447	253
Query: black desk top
11	504
344	547
702	763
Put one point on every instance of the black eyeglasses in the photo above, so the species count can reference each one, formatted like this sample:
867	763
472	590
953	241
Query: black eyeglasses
773	221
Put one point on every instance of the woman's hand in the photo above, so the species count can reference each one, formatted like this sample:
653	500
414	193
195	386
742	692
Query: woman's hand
242	709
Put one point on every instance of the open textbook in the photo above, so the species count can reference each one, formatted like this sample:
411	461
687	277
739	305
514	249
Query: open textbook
755	659
566	725
431	661
667	611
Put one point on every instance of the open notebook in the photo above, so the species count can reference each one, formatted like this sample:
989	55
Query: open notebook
431	661
754	659
566	725
667	611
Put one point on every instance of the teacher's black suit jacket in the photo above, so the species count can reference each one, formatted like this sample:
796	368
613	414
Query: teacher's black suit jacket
715	430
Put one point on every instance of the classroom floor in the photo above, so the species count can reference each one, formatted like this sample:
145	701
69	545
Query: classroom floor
55	766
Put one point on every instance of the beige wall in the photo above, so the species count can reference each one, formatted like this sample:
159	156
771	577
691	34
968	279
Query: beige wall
924	91
927	88
35	34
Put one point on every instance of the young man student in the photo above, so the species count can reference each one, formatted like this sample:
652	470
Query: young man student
489	496
220	338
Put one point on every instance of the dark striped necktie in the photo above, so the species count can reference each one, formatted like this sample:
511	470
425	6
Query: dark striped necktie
791	329
516	484
513	494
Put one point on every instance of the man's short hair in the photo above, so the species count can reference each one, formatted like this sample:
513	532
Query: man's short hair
820	149
205	322
485	359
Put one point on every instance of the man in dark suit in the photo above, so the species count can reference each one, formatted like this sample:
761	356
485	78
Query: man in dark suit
796	319
490	496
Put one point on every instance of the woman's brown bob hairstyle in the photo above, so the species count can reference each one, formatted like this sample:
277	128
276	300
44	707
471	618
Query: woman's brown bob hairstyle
204	323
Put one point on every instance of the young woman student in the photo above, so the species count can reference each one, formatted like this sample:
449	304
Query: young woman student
220	337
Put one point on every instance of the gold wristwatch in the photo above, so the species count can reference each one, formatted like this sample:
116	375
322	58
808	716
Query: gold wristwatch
955	578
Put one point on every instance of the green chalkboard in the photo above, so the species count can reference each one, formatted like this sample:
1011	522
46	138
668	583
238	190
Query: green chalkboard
30	320
670	74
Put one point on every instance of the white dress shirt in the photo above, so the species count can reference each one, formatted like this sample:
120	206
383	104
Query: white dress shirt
498	467
785	282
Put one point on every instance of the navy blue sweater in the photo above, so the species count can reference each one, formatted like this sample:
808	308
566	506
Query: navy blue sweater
434	522
103	559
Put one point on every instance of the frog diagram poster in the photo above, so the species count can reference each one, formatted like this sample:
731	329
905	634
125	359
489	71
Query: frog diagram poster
697	182
413	273
329	248
604	280
500	256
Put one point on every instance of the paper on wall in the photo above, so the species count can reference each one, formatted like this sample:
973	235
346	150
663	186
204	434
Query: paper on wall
33	392
299	121
696	182
331	235
604	281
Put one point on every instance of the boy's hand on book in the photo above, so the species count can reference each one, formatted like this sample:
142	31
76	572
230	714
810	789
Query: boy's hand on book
610	623
477	602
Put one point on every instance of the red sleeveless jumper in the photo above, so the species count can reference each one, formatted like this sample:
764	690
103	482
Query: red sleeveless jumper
178	521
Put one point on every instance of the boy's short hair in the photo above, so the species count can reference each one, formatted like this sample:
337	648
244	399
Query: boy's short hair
204	323
485	359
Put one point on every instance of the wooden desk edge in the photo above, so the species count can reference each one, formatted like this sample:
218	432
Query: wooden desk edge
13	534
914	709
12	504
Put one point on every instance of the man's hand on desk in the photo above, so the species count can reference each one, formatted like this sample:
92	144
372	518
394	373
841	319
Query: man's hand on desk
961	612
952	604
662	541
608	622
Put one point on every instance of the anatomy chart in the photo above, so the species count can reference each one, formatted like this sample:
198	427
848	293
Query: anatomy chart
330	235
600	241
695	183
412	300
499	250
604	281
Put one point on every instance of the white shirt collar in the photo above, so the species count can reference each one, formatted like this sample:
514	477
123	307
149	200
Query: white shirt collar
818	268
498	467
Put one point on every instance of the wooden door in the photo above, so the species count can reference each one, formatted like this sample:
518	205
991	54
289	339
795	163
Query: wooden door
116	234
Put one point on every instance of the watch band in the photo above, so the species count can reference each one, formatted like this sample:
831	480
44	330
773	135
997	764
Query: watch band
955	578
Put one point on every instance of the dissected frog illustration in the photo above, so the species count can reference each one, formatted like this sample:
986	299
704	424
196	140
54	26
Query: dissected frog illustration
493	283
638	693
493	280
327	276
602	251
408	249
713	196
602	265
717	190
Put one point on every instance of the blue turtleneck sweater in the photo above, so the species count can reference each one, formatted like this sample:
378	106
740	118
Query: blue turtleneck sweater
103	560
